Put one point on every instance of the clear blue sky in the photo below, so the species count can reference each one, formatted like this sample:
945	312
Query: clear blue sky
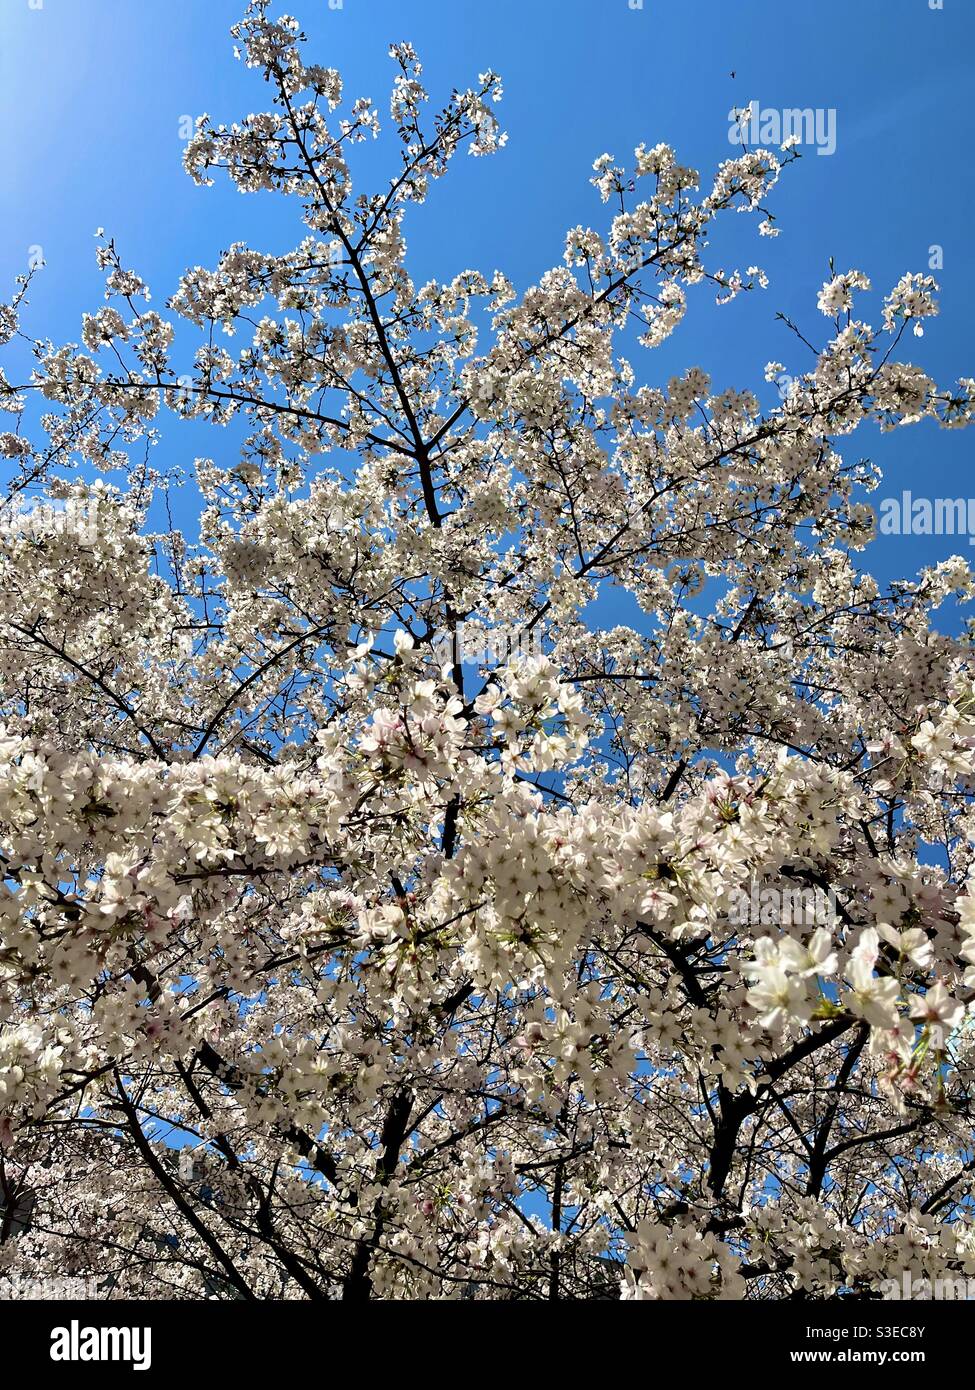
93	91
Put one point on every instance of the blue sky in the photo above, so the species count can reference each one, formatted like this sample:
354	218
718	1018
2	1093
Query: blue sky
93	91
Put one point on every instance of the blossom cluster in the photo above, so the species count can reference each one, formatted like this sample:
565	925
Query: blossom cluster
399	944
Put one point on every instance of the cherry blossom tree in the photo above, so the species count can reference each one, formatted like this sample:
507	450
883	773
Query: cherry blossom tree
375	924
